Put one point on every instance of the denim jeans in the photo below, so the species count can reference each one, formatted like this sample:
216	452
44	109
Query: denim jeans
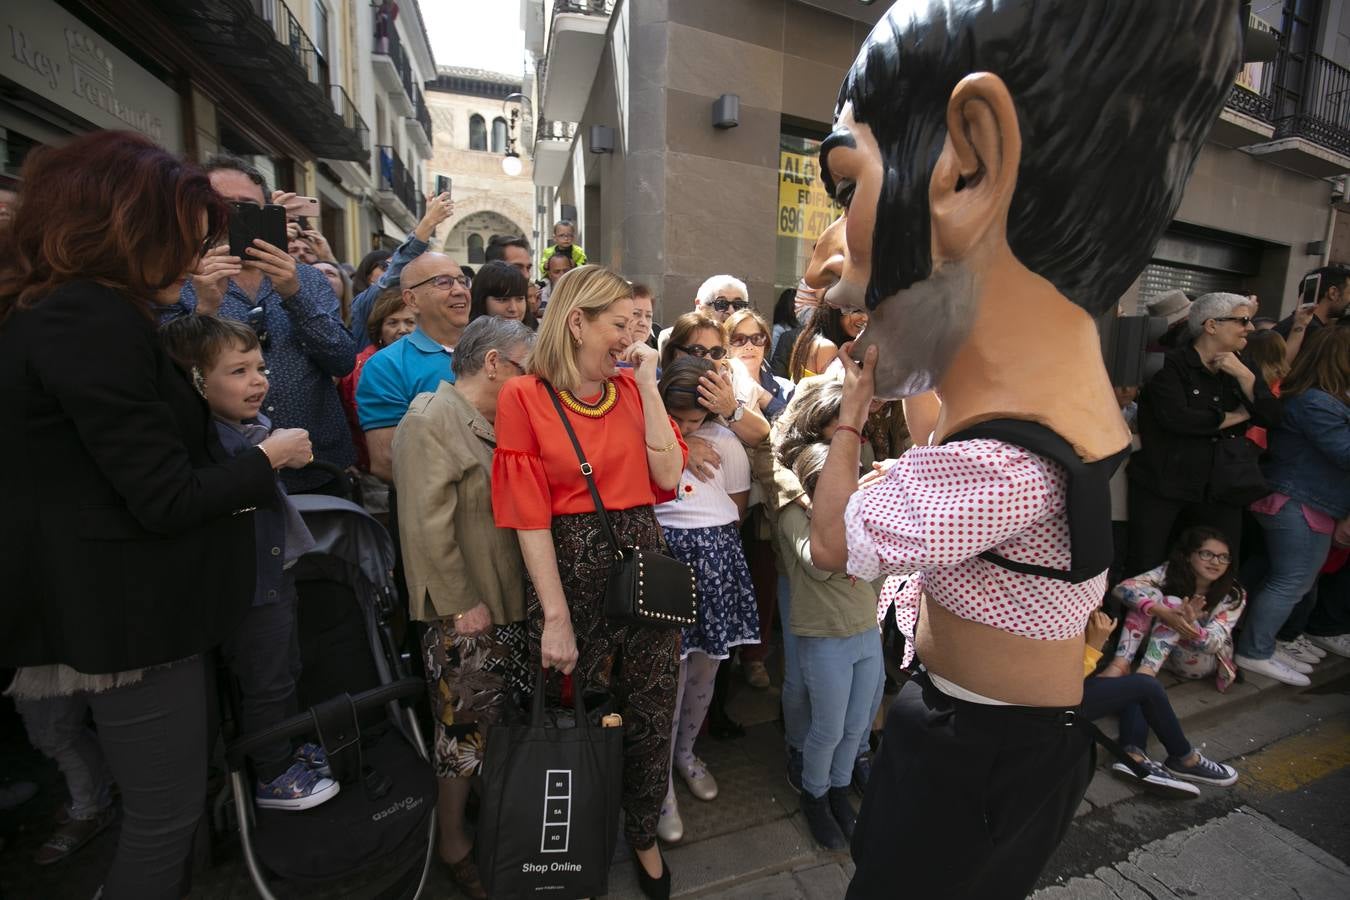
57	727
1296	553
1141	701
796	703
844	678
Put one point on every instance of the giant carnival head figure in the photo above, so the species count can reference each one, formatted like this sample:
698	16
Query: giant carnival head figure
1000	151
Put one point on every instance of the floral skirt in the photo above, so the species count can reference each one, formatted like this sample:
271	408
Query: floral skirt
473	681
727	612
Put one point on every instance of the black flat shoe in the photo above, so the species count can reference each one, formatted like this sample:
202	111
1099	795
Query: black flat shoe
653	888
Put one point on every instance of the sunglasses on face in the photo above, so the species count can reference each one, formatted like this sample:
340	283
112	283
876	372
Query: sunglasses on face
700	351
256	318
1244	320
759	339
444	282
1211	556
722	304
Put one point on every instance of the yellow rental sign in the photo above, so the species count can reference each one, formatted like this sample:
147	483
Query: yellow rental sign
804	209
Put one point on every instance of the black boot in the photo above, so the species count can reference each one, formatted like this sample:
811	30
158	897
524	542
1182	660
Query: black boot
821	822
842	810
653	888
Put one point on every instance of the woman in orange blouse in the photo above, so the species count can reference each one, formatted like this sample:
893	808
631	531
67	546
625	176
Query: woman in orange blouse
538	490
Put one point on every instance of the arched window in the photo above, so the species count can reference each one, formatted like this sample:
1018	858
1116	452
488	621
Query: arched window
477	133
499	135
476	256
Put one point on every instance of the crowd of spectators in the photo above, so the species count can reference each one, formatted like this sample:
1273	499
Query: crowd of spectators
164	388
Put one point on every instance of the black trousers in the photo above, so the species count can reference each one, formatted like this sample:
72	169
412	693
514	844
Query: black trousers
1155	522
966	800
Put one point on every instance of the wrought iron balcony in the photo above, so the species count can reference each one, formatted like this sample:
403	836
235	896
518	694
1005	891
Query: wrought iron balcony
548	130
423	115
262	47
392	66
351	118
395	179
1321	110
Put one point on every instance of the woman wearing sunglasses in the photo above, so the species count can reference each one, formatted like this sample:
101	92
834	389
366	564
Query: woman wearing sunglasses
732	395
1203	394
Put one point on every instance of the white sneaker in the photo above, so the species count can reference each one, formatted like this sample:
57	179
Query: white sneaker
1339	644
1308	646
1295	664
1272	668
1297	650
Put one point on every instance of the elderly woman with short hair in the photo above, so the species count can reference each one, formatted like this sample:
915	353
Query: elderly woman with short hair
465	575
1203	394
637	455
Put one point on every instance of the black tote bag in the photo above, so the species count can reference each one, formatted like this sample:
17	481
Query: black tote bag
550	812
1235	478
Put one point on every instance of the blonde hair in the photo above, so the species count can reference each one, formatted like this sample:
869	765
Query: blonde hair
591	289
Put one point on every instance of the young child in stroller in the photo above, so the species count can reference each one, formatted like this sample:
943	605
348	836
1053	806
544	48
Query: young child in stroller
224	360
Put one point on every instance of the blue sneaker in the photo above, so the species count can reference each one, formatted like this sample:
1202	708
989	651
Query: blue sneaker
313	755
1203	770
794	769
299	787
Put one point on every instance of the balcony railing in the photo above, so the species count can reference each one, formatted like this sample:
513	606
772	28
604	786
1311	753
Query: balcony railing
1320	111
548	130
422	114
351	117
291	35
388	44
589	7
395	178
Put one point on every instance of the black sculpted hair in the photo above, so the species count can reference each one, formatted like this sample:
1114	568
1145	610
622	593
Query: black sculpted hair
1109	133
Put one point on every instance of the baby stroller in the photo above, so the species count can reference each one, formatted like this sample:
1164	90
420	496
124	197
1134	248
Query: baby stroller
375	838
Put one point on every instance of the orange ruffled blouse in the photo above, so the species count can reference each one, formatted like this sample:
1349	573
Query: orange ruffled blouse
535	473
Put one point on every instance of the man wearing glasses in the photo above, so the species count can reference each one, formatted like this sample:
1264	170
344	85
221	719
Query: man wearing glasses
717	298
295	314
437	291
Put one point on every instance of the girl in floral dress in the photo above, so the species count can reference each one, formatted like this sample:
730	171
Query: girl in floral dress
1183	612
701	527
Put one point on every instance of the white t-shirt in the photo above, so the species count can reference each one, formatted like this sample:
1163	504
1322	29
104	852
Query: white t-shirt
707	504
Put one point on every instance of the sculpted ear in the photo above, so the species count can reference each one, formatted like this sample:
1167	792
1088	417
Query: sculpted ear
975	176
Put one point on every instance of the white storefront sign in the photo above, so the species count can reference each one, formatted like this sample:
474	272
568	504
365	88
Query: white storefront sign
52	53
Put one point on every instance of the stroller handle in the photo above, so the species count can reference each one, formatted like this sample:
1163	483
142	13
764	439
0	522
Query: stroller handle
303	723
339	474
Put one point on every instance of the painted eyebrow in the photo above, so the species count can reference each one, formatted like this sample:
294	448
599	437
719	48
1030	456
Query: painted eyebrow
840	137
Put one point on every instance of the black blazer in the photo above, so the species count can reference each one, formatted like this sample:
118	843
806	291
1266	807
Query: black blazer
1180	410
123	542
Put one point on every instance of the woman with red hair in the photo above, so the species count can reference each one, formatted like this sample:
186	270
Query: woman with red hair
129	543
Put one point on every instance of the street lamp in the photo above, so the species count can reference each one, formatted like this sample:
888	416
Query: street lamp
511	164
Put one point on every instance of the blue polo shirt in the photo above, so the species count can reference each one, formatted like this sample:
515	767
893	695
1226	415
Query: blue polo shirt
412	365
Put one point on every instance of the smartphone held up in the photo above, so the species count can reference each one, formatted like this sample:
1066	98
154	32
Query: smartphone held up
248	222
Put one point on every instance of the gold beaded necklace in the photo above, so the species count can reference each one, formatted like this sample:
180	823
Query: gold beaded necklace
608	399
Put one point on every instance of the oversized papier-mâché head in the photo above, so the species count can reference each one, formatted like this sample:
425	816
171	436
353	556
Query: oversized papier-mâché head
1063	130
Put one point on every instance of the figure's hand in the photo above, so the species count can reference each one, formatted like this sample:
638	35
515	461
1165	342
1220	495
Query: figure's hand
859	386
644	361
276	264
716	394
439	208
474	622
1099	628
212	278
704	460
558	645
288	448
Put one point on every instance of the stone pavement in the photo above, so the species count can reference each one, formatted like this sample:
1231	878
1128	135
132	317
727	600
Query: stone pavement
1242	855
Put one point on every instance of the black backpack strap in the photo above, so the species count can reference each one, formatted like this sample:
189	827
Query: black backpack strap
1087	503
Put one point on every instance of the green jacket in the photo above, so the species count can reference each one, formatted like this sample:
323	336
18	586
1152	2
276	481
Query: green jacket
578	257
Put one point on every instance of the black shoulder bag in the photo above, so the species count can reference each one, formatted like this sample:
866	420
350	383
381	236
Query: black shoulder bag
645	587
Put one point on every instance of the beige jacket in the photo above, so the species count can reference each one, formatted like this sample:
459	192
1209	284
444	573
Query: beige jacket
454	557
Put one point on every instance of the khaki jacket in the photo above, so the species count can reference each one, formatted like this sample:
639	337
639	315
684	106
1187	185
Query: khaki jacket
454	557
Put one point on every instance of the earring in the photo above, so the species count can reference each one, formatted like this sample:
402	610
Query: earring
199	381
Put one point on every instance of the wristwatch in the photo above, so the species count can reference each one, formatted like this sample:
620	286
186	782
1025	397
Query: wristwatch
740	411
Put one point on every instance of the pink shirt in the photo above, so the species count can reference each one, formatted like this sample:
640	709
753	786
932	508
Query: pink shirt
1318	521
939	507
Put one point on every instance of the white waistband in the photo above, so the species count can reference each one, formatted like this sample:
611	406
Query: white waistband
956	692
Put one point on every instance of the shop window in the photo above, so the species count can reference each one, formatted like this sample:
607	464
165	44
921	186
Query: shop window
499	135
476	255
477	133
804	209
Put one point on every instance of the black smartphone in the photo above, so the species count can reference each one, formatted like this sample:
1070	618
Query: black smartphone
249	221
442	184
